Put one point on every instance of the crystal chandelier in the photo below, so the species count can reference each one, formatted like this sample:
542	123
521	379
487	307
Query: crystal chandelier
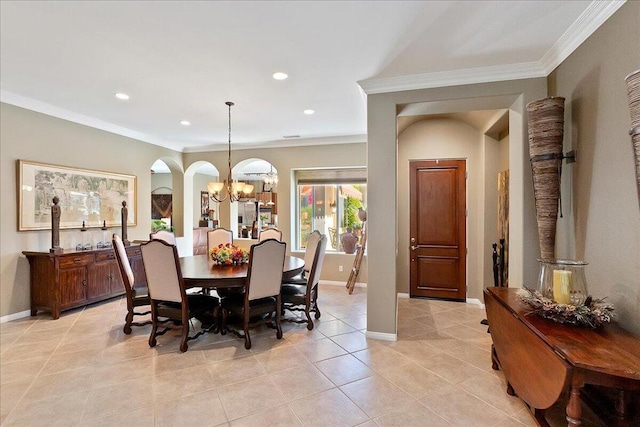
271	178
220	191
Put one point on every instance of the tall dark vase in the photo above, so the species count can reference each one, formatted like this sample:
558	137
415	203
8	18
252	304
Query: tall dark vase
633	91
546	130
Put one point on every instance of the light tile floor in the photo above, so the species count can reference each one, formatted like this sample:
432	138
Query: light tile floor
81	370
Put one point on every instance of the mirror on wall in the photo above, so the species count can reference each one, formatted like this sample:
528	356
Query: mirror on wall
161	197
206	211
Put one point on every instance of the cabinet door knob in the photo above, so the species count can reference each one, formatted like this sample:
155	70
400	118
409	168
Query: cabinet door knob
84	282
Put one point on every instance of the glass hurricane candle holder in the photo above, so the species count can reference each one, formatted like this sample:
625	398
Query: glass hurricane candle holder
563	281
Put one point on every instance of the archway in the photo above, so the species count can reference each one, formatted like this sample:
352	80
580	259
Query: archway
199	209
166	195
260	207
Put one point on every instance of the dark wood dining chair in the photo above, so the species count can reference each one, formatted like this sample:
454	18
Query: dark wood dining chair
164	235
261	297
297	296
270	233
168	297
135	297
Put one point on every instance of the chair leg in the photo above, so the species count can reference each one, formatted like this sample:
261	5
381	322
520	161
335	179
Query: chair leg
247	338
185	332
223	326
278	325
127	322
315	305
309	320
154	327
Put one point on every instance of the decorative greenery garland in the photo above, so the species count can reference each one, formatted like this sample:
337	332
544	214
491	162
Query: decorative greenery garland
593	313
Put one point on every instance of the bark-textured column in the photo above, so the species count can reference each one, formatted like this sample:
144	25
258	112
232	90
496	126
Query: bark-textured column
633	90
546	130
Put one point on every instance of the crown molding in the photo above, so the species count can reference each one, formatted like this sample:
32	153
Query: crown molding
587	23
282	143
60	113
494	73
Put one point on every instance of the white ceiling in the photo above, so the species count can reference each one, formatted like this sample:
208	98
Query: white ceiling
183	60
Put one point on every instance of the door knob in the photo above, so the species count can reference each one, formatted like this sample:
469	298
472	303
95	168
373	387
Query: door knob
413	248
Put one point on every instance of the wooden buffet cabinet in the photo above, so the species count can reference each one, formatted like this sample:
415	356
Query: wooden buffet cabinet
76	278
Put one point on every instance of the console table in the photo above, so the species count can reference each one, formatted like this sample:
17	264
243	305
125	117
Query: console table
71	279
541	359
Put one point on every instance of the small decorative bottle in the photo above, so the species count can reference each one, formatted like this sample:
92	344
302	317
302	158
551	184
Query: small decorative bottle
86	238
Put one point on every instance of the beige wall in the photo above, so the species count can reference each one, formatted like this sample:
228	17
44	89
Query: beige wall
382	162
37	137
444	139
601	223
33	136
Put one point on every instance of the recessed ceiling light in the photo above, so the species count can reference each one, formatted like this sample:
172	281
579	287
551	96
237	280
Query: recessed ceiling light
309	112
185	122
122	96
280	75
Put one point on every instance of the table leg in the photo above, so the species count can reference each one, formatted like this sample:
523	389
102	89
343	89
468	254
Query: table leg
494	359
622	402
574	407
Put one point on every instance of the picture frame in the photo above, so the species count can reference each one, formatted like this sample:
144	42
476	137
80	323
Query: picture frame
89	196
265	216
204	204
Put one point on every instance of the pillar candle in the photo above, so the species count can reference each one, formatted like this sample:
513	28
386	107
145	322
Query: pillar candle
562	286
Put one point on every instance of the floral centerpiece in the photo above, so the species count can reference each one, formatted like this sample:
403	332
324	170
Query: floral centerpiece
228	254
592	313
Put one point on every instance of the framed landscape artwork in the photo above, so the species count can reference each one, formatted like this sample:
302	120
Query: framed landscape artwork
94	197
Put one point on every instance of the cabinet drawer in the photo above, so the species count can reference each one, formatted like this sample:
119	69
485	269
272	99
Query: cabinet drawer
105	256
133	251
76	260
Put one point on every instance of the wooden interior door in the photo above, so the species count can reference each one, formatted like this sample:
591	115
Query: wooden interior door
438	229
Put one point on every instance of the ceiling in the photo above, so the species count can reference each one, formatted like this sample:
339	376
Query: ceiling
183	60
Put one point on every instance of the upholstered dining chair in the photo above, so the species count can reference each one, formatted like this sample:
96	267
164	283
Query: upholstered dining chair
309	255
304	297
270	233
261	297
219	236
200	236
135	297
167	293
164	235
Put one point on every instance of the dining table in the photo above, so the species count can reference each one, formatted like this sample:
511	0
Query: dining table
202	272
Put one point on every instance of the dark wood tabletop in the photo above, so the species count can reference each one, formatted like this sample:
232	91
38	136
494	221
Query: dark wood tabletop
201	271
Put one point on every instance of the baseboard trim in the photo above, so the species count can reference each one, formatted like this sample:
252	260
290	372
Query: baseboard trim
475	301
15	316
337	283
381	336
403	295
